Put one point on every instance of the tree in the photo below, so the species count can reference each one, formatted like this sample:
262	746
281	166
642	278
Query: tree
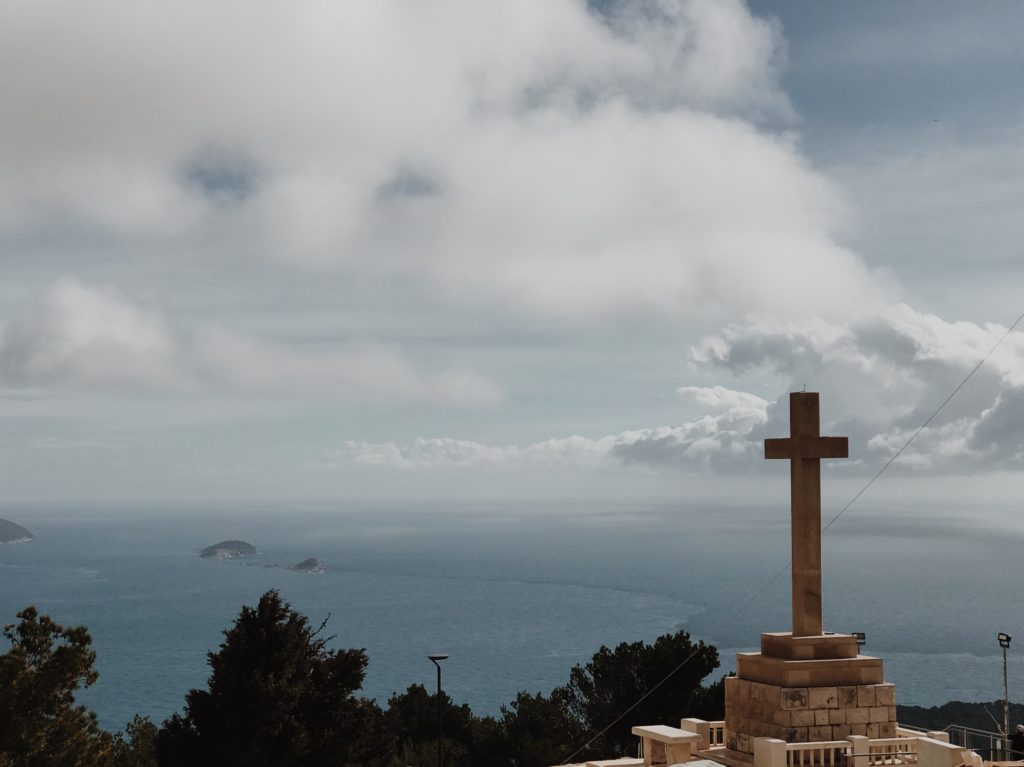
411	718
489	746
980	716
40	725
539	730
136	746
468	740
276	696
614	680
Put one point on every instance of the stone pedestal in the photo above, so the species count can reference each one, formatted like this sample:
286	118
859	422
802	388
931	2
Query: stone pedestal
811	688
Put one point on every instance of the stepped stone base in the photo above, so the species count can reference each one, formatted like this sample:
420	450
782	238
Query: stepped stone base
795	692
758	667
824	647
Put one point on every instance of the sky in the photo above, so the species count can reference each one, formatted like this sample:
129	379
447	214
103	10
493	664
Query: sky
261	251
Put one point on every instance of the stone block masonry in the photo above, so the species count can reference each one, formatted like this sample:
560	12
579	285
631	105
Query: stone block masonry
799	714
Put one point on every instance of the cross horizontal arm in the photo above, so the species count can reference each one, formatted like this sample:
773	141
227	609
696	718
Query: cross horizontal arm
807	447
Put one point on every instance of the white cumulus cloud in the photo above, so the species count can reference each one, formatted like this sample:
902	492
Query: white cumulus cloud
717	441
882	377
81	336
536	157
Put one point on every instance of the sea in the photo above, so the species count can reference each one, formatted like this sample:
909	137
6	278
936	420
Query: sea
517	593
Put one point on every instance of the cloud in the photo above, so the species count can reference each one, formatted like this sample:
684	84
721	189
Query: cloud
714	56
716	441
89	338
235	362
882	377
736	406
86	337
942	211
540	158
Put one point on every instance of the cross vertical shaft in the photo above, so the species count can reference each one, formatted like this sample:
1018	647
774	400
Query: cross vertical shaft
805	523
805	448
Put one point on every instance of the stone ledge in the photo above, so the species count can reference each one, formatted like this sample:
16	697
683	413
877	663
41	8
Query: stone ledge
662	733
822	647
756	667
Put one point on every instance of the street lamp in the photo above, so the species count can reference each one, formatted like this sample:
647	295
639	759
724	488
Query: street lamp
1004	642
861	637
436	660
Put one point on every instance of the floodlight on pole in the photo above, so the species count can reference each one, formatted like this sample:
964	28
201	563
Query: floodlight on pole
1004	642
436	659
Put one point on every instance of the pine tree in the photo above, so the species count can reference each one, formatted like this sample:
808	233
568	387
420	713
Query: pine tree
277	696
40	725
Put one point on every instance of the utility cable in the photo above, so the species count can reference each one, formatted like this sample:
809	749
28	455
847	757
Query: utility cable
831	522
931	418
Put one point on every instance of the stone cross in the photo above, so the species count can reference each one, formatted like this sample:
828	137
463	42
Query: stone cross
805	448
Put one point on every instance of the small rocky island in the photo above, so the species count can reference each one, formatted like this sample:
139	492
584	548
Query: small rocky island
228	550
311	565
12	533
237	549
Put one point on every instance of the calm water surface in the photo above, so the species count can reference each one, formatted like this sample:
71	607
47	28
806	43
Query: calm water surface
515	594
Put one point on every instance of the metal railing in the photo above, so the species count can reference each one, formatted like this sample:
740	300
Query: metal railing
991	745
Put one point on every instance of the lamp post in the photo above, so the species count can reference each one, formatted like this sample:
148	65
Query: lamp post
436	660
862	639
1004	642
